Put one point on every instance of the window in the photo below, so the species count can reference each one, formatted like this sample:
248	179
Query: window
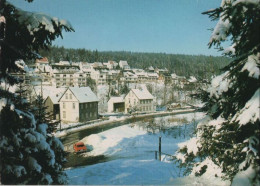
66	95
73	105
64	105
90	114
64	114
70	96
86	105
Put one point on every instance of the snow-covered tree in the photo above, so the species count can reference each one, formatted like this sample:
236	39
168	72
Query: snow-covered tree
227	140
29	154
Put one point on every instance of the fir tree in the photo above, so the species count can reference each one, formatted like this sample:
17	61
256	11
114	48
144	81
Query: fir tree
29	153
228	139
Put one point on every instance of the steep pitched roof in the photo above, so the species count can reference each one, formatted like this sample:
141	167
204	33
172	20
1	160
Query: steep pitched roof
142	94
83	94
116	99
52	92
55	98
123	63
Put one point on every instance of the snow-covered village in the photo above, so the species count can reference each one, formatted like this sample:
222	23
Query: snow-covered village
99	92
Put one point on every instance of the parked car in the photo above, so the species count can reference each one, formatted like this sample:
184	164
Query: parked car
79	147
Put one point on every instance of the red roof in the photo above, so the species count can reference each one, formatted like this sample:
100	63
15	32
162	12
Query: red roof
42	60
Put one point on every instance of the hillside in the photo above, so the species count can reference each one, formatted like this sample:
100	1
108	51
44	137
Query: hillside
184	65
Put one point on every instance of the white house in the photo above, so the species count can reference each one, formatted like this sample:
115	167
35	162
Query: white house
139	100
124	65
78	104
116	104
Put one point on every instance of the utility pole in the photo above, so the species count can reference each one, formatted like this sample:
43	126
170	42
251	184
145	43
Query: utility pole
41	89
160	147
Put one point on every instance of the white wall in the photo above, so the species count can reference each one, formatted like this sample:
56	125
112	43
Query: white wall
134	101
110	106
71	114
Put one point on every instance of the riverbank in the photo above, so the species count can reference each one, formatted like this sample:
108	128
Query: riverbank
129	152
64	133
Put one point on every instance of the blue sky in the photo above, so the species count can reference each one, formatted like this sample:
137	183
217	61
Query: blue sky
168	26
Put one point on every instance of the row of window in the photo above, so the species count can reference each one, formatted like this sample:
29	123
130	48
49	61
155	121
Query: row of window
73	105
86	105
146	101
88	115
69	75
142	101
83	116
146	108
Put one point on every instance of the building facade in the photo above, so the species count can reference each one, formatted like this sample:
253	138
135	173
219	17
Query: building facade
78	104
139	101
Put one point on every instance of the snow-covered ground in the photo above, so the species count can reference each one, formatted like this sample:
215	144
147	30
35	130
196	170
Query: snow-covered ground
131	152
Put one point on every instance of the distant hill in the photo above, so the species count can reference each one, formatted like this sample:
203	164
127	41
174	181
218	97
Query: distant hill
185	65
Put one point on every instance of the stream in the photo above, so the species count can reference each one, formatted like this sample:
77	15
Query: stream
126	154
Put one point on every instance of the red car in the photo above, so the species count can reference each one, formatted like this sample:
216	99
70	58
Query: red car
79	147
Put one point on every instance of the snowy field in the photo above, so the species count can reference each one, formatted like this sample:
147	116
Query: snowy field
131	152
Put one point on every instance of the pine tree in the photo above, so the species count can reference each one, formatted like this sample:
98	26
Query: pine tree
29	153
228	139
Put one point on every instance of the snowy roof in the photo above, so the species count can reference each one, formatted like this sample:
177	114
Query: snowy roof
174	75
192	79
150	68
97	64
116	99
55	98
83	94
142	94
64	63
48	91
123	63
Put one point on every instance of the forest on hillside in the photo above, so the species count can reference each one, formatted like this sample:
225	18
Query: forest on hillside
184	65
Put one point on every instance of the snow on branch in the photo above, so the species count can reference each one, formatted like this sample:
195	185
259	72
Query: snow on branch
211	168
21	65
250	113
219	85
252	66
220	31
33	165
246	2
37	21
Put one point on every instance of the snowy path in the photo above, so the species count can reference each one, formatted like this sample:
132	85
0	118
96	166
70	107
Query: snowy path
131	150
